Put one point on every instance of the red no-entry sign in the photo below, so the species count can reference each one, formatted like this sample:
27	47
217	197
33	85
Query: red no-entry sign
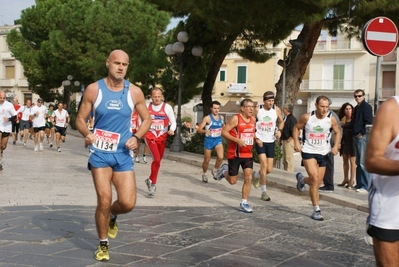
380	36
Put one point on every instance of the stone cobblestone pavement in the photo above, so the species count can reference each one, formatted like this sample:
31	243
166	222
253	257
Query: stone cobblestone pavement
47	217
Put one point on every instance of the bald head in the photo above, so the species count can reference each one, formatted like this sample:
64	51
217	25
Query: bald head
118	53
117	63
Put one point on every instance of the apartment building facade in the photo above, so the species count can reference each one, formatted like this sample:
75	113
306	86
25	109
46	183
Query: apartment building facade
338	67
12	79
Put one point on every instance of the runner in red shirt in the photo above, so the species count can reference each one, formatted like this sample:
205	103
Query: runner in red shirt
163	124
15	123
135	126
240	131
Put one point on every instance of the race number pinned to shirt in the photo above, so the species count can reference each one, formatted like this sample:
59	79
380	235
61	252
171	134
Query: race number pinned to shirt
157	125
266	126
106	141
216	132
248	138
317	139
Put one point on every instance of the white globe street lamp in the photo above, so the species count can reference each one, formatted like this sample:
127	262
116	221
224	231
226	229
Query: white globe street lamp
176	53
68	85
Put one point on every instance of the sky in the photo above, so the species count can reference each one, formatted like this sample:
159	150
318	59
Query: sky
10	10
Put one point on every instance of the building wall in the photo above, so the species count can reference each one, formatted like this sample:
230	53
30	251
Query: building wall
17	85
330	53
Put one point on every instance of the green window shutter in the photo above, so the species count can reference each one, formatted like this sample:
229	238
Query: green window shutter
222	76
339	77
242	74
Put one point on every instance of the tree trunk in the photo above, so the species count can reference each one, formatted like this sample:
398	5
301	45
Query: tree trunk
216	62
297	61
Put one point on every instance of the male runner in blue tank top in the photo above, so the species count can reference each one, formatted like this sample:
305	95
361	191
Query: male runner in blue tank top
110	142
211	126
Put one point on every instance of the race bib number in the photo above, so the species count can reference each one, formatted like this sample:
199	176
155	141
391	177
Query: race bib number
266	126
60	120
106	141
248	138
317	139
157	125
216	132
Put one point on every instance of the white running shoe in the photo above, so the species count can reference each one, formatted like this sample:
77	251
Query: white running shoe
36	149
204	178
145	159
59	149
40	147
222	169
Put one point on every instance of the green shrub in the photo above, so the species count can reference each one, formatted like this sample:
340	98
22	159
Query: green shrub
186	119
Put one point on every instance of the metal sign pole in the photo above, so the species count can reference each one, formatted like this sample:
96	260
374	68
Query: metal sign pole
377	84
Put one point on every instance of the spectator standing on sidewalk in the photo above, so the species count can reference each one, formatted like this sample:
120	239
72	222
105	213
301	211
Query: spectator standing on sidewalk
382	161
362	116
240	133
163	123
287	140
269	124
317	127
347	150
111	142
7	115
211	126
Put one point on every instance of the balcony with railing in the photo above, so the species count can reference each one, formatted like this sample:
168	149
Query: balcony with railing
238	88
334	45
332	85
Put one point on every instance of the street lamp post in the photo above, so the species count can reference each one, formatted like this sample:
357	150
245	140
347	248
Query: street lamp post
175	51
67	92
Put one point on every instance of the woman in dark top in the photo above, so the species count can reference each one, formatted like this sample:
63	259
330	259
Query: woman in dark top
347	145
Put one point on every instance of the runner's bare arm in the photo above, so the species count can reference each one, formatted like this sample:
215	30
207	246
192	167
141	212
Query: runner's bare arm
88	99
384	130
295	131
337	136
232	123
204	121
142	110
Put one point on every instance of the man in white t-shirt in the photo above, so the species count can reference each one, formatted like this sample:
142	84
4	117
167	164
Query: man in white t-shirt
39	124
7	115
61	121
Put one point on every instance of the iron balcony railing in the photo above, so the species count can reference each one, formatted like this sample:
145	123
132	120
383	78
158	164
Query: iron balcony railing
332	85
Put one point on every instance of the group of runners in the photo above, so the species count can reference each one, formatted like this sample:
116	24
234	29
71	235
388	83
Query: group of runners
30	121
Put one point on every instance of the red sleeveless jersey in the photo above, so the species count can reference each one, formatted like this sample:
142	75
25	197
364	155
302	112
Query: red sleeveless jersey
159	124
135	121
246	132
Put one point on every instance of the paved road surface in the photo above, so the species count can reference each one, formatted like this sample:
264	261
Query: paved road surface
47	205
